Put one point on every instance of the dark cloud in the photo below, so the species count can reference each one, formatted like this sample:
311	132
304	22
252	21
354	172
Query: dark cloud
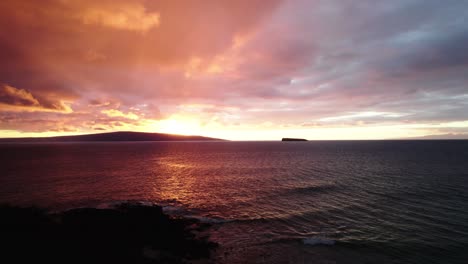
440	53
15	99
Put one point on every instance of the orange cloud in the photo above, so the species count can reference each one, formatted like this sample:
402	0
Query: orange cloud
126	17
14	96
118	113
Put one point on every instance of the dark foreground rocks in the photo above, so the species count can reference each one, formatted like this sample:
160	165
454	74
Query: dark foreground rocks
128	233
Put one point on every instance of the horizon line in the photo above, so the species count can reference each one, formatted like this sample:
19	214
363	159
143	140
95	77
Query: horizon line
428	137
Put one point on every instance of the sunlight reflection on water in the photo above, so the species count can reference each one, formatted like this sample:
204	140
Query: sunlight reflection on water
371	194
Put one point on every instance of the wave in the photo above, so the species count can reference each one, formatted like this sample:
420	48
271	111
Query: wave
117	203
312	241
173	210
169	207
208	220
308	190
309	241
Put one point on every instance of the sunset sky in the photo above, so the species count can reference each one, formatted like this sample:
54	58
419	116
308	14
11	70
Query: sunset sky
241	70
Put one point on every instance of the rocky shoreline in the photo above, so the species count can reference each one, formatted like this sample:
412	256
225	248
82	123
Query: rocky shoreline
126	233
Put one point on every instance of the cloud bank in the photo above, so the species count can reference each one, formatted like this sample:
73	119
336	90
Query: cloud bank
338	68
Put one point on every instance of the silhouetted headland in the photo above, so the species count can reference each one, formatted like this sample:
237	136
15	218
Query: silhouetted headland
113	136
126	233
293	139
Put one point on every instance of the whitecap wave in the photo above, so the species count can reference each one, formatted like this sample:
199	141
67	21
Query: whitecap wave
114	204
168	207
173	210
181	211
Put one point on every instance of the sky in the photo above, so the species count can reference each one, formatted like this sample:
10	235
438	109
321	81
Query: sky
239	70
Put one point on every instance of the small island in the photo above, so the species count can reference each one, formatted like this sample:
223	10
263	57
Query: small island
293	139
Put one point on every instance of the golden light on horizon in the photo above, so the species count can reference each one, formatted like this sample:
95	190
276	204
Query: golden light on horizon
238	70
178	125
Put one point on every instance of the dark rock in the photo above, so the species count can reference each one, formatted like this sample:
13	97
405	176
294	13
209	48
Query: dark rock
128	233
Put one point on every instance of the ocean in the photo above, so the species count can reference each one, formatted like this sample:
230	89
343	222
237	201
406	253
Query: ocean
269	202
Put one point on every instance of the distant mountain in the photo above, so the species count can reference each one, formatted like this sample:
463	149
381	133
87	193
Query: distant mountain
442	136
113	136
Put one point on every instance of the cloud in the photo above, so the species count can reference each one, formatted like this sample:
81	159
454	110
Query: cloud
18	100
13	96
288	63
126	17
117	113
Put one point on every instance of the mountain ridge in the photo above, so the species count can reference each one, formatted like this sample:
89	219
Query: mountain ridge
113	137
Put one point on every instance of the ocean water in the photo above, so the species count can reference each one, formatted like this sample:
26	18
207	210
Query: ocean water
269	202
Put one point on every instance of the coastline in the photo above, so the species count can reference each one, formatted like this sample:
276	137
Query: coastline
126	233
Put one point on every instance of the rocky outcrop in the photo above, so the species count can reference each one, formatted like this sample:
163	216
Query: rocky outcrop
128	233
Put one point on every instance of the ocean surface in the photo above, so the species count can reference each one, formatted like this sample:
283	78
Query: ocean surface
269	202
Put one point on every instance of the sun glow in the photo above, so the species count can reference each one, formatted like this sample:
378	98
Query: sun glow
177	125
